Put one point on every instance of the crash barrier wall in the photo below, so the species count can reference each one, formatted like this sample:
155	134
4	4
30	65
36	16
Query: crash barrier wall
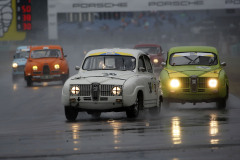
80	6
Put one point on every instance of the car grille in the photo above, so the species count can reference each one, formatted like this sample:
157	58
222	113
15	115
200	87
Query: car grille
188	86
46	69
95	90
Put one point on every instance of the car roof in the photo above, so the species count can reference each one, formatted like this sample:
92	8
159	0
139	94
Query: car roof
115	51
46	47
192	49
147	45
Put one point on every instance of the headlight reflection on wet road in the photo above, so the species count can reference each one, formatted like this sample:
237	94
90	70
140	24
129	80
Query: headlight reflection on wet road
213	130
176	131
75	136
116	132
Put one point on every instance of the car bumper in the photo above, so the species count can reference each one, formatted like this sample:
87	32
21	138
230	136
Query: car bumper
44	78
102	104
207	96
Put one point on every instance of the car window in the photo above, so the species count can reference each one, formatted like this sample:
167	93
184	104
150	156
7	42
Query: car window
148	64
193	58
141	63
109	63
22	54
51	53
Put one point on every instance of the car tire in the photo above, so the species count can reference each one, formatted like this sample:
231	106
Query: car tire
222	103
133	111
71	113
29	81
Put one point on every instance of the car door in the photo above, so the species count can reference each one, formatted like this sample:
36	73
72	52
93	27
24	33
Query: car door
152	83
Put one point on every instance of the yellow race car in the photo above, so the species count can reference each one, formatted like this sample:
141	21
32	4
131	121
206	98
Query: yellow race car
194	74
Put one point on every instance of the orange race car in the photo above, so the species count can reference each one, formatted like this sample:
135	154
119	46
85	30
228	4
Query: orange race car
46	63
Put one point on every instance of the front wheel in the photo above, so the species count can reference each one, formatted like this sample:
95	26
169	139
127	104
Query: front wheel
133	111
29	81
221	103
71	113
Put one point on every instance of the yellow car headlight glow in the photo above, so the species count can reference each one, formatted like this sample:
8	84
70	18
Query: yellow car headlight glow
116	91
35	68
14	65
56	66
75	90
174	83
155	60
212	83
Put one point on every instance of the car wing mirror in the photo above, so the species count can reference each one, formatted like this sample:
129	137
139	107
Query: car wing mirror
77	68
142	69
65	55
223	64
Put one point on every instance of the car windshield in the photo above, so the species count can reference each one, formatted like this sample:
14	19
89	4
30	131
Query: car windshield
22	54
109	63
45	53
193	58
148	50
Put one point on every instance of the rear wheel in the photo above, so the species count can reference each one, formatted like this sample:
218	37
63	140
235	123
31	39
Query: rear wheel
133	111
71	113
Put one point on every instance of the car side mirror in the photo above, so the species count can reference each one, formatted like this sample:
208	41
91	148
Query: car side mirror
77	68
163	63
142	69
223	64
65	55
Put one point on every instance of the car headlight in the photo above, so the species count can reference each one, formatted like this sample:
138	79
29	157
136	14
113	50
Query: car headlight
56	66
35	68
14	65
116	91
75	90
155	60
174	83
212	83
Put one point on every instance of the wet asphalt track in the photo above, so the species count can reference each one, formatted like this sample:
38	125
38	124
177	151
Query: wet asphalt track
33	126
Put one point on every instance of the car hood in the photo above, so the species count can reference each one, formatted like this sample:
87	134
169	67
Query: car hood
200	71
20	61
102	77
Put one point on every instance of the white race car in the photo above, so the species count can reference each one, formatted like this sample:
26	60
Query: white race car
112	80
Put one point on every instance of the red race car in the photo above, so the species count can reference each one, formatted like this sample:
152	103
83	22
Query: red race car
155	54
